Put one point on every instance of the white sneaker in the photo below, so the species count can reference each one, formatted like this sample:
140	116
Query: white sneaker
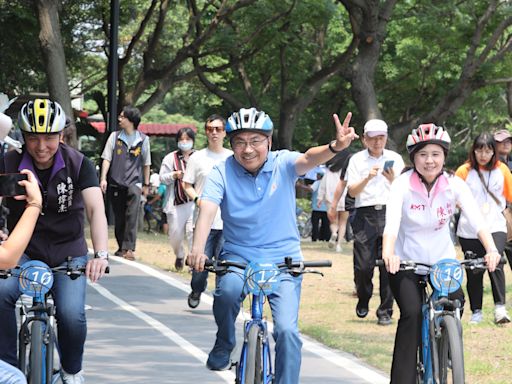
476	317
68	378
332	240
338	248
501	315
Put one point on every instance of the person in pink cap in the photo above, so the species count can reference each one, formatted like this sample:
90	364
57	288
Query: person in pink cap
503	140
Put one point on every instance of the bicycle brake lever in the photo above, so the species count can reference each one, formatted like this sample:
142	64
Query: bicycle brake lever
295	272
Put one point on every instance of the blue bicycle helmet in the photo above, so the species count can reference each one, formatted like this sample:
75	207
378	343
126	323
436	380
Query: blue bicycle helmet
249	119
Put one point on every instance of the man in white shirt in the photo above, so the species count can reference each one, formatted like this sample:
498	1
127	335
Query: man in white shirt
199	166
369	176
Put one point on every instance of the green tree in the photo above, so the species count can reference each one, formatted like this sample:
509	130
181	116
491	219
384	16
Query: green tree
408	62
295	48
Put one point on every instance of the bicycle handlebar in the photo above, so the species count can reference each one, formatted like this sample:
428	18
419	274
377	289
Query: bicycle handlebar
222	265
72	272
471	263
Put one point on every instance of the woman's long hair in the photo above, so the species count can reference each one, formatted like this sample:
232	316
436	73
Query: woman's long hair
483	141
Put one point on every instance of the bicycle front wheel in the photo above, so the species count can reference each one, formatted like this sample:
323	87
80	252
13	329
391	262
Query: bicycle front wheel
450	352
254	356
37	356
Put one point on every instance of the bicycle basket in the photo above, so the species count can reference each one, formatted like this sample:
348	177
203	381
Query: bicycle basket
35	279
261	278
446	276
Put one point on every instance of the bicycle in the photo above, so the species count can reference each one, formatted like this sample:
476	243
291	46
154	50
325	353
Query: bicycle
441	353
36	338
260	279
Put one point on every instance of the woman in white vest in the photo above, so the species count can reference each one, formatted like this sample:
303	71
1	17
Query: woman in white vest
421	202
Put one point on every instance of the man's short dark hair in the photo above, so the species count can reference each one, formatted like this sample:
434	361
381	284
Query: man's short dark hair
132	114
215	116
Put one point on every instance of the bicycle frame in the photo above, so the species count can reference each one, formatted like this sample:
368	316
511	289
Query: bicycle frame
37	322
37	336
43	313
430	328
256	320
433	311
255	364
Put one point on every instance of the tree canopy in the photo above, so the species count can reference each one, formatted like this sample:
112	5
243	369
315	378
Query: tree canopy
407	62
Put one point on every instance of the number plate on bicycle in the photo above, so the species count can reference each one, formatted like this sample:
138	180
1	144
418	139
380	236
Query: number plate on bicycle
262	278
446	275
35	279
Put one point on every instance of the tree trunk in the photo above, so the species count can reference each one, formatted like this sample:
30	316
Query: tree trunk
55	61
509	98
287	123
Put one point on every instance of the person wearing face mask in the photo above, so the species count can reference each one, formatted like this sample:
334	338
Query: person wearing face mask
178	206
198	169
125	176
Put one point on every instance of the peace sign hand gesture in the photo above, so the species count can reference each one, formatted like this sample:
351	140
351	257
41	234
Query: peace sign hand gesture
344	133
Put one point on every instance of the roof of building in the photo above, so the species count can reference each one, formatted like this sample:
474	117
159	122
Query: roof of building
151	129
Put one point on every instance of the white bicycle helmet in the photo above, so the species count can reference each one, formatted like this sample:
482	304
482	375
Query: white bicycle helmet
427	134
41	116
249	119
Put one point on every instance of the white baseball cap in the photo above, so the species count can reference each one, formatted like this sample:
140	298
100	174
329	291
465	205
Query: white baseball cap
375	127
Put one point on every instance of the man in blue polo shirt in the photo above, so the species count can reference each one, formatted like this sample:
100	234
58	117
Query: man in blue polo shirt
255	189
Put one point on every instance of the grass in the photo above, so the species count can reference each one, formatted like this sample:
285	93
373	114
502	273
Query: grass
328	313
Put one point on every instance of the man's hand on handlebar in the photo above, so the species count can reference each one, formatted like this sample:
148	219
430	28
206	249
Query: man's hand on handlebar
196	260
95	269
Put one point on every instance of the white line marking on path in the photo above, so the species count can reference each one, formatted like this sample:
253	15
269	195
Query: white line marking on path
228	377
335	358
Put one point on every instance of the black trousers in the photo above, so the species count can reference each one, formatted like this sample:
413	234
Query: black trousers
125	204
475	278
407	290
508	252
368	226
320	226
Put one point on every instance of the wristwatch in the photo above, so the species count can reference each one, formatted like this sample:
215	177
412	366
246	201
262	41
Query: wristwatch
101	255
331	147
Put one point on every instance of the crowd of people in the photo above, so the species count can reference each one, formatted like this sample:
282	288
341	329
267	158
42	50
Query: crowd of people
222	203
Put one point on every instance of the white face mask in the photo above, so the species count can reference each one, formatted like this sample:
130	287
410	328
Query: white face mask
185	145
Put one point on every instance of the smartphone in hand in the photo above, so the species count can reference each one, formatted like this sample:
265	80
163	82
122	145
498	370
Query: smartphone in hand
9	184
388	164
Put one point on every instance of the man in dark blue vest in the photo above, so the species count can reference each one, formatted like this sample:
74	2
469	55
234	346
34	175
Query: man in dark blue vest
70	188
124	176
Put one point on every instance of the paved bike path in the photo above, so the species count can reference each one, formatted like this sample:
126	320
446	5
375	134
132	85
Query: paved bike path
140	330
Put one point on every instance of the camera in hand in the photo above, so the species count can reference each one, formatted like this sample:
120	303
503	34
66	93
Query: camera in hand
9	184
